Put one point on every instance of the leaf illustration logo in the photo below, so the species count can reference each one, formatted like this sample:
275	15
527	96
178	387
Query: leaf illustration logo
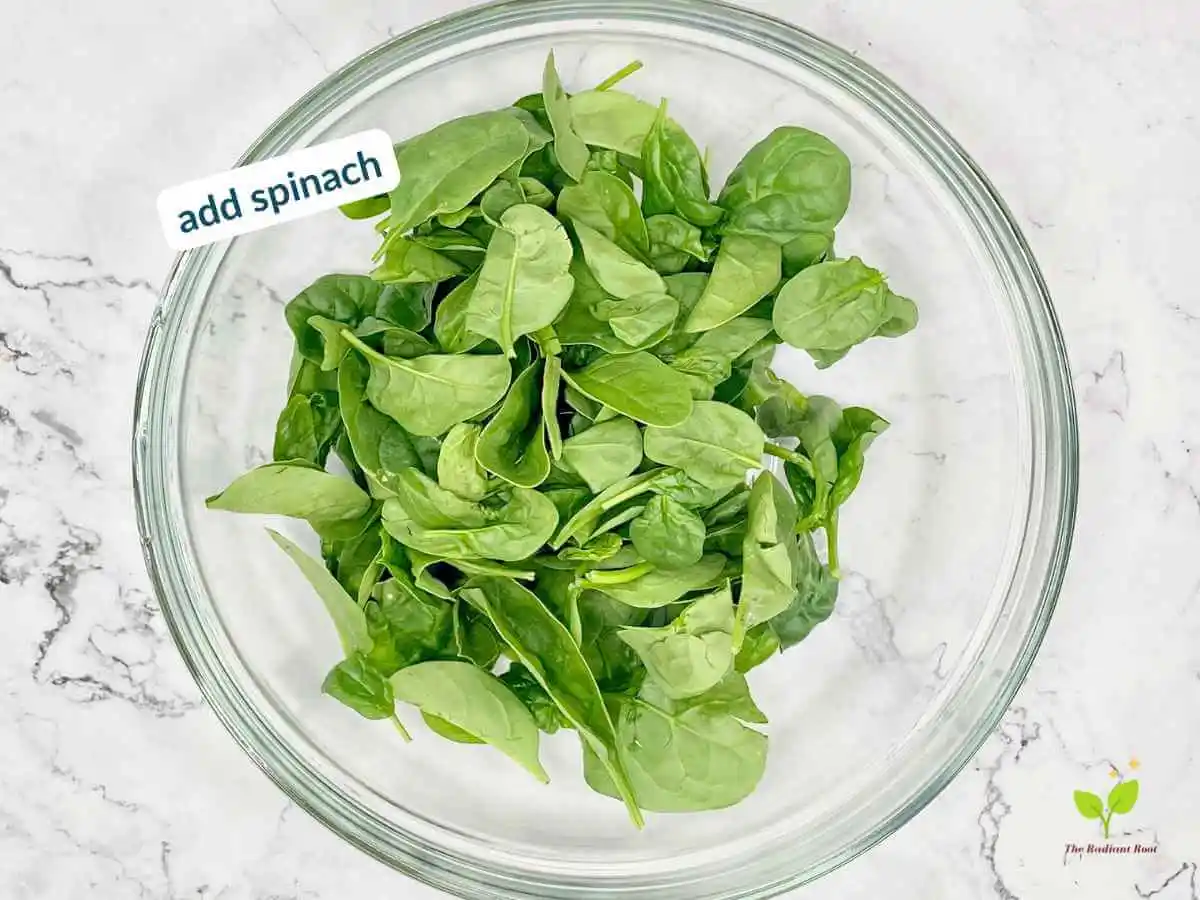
1121	800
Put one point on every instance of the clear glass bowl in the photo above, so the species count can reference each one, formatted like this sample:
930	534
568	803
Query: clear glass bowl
954	545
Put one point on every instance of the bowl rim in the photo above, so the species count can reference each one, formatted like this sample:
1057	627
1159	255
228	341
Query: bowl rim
152	472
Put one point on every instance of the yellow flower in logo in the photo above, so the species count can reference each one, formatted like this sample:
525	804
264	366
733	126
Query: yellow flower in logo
1135	763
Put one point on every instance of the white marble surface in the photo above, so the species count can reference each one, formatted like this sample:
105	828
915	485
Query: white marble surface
116	783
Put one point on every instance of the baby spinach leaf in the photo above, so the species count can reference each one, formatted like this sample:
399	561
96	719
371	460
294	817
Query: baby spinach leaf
688	755
806	250
606	204
674	174
638	386
339	298
294	488
347	618
598	549
358	685
512	445
475	640
693	653
526	688
475	702
499	199
673	242
536	192
638	320
524	283
746	270
831	306
569	148
793	181
367	208
405	305
715	445
613	662
759	644
709	361
381	446
620	274
541	643
668	534
551	387
408	262
430	394
605	453
457	468
613	120
855	432
510	525
770	561
450	323
443	170
646	587
407	625
816	594
307	428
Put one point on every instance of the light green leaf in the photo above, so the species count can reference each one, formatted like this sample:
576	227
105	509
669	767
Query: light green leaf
716	445
571	151
650	588
605	453
348	618
513	443
638	386
747	269
294	488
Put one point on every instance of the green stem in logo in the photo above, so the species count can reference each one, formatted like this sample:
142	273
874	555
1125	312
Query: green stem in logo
1121	799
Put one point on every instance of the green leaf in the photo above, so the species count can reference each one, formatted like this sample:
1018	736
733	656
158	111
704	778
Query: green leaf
341	298
307	428
443	170
358	685
792	182
716	445
771	564
1089	805
551	387
806	250
429	395
758	645
831	306
650	588
544	646
1122	798
512	445
475	702
693	653
458	470
408	262
638	320
638	386
510	525
852	437
382	448
569	148
450	324
668	534
673	242
407	625
526	688
580	526
617	272
688	755
607	205
673	173
613	120
746	270
605	453
499	199
297	489
524	283
816	594
367	208
347	618
709	361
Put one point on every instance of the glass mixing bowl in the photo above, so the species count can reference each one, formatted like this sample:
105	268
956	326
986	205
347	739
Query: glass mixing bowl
954	546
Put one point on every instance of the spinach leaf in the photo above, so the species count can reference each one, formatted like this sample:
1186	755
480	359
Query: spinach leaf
510	525
524	283
338	298
307	428
294	488
407	625
443	170
551	386
674	176
450	323
715	445
709	361
746	270
813	603
619	273
475	640
367	208
831	306
569	148
770	561
607	205
408	262
793	181
688	755
541	644
381	447
758	645
806	250
512	445
638	320
499	199
475	702
613	120
638	386
646	587
527	690
668	534
457	469
605	453
357	684
673	243
693	653
347	618
615	665
431	394
580	526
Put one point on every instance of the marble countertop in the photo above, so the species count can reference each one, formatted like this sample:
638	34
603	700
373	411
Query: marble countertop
117	783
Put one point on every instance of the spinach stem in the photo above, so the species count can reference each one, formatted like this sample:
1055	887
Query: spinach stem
620	75
400	728
831	540
799	460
